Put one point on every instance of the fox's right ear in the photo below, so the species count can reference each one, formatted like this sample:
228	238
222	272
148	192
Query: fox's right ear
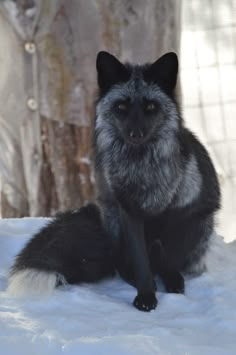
110	70
164	71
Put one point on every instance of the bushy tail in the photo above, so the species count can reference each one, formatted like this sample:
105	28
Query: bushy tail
72	248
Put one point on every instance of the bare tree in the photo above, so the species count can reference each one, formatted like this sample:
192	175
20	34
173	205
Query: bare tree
48	88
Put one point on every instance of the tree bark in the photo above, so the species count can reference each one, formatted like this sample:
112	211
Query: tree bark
55	137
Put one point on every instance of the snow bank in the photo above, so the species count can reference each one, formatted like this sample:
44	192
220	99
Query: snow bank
100	319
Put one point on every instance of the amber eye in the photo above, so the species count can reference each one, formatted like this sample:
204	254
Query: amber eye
122	106
150	107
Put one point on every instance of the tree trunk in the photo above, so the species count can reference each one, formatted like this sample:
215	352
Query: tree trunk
48	165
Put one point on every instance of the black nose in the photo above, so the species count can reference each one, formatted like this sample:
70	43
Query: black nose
135	136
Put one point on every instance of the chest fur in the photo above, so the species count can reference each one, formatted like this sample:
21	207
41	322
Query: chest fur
147	183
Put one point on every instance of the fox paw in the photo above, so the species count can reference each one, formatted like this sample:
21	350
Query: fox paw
145	302
174	283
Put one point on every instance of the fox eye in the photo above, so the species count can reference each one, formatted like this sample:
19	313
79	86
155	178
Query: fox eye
150	107
122	106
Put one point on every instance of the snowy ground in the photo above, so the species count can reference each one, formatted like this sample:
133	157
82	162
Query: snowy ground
99	319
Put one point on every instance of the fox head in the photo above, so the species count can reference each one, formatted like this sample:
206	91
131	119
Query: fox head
137	103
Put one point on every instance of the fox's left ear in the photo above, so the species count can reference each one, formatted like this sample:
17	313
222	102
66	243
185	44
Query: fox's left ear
110	70
164	71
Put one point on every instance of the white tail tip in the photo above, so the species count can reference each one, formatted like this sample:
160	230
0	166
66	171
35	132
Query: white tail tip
32	282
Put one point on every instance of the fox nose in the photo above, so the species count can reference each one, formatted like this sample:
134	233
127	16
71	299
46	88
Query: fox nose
136	136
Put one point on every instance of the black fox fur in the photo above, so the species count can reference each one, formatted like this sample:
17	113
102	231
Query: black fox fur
157	190
73	248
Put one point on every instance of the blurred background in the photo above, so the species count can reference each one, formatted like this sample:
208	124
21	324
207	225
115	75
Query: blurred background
208	78
48	87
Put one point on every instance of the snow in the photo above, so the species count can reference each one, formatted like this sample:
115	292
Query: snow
100	319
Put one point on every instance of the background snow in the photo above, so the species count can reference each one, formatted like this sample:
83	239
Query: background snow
100	319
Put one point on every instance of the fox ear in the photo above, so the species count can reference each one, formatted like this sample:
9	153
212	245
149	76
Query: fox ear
110	70
164	71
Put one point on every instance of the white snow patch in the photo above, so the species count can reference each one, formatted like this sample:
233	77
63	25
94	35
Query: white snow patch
85	160
83	179
100	318
31	12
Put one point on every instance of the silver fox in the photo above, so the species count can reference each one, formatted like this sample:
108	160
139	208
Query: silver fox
157	187
157	193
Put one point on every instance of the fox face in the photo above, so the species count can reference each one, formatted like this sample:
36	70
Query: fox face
136	104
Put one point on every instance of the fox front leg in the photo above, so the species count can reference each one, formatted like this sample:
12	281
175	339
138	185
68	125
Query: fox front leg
172	278
133	234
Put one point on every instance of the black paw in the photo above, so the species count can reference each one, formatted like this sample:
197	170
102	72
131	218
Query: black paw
174	283
145	302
